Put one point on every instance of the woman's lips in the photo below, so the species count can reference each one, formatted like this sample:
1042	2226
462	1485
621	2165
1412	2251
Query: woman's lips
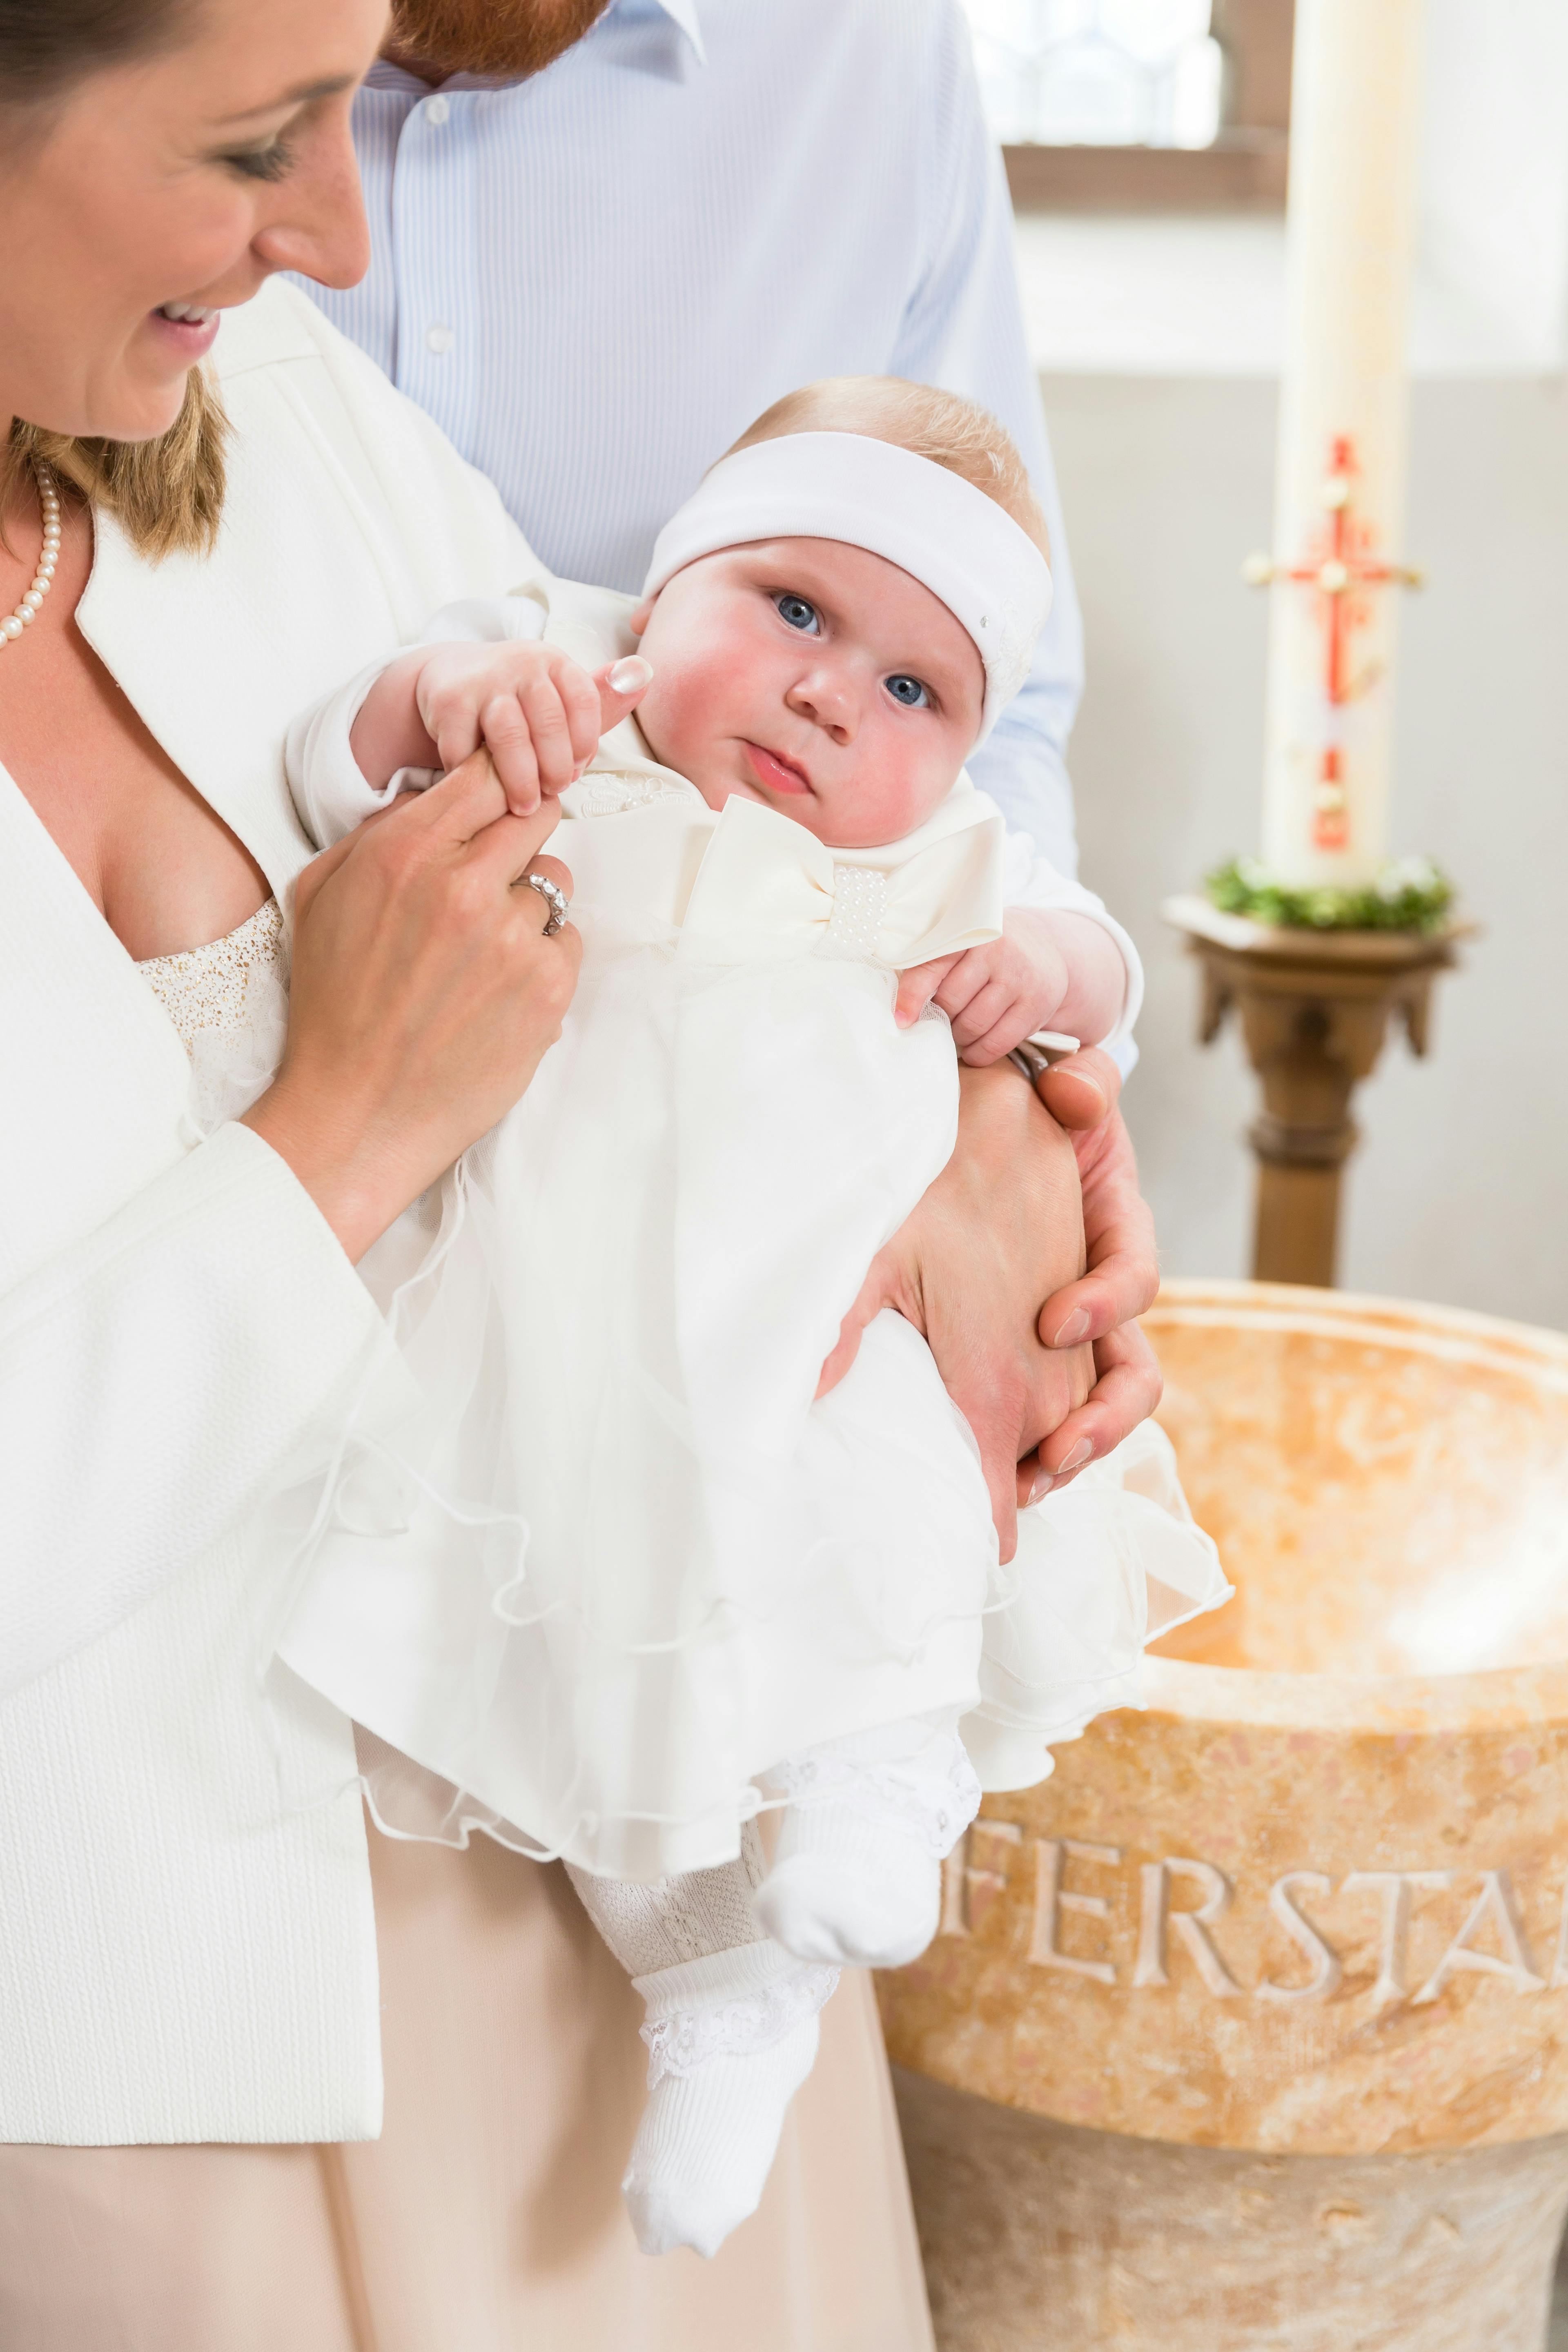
776	775
186	329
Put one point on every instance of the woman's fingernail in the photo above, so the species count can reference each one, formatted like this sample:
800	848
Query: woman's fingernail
628	674
1041	1487
1083	1452
1075	1329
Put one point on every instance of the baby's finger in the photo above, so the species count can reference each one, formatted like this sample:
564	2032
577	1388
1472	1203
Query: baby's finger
547	724
622	685
1010	1030
988	1005
918	986
579	700
968	976
510	741
455	729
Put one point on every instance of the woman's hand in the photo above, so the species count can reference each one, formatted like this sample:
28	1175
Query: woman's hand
423	995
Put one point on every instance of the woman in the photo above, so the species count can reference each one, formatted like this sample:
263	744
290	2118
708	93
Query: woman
184	1959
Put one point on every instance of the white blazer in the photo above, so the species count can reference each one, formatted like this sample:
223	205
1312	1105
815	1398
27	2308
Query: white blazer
181	1956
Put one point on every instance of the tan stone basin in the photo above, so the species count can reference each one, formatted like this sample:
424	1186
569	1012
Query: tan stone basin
1249	2028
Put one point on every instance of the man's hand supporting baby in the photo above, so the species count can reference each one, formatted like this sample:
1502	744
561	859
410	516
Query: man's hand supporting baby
1045	1390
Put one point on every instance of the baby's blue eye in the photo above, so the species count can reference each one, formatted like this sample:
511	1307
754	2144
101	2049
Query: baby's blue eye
909	691
797	612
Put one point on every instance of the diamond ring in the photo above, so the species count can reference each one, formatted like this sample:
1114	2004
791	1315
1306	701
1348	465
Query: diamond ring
554	897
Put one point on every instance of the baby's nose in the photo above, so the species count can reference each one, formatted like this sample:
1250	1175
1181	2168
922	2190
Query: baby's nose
830	699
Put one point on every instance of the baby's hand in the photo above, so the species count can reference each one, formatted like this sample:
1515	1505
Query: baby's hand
996	995
538	713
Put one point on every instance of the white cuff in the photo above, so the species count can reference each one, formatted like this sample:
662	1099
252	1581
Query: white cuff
331	792
1032	881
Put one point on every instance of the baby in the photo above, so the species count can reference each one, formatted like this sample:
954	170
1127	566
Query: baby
632	1582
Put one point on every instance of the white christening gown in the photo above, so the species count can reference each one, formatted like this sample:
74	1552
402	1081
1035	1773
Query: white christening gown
621	1562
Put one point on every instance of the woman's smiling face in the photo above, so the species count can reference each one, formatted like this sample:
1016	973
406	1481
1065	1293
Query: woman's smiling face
815	678
156	192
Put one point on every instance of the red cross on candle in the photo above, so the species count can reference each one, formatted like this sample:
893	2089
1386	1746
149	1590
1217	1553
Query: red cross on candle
1341	567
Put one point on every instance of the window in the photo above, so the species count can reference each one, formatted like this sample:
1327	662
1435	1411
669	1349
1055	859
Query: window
1099	73
1123	104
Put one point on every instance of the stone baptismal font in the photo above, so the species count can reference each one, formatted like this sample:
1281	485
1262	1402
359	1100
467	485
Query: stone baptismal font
1249	2029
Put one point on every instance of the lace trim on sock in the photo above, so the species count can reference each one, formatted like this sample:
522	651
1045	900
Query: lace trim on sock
678	2044
936	1811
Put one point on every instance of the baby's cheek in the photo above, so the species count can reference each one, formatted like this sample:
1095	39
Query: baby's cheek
688	707
670	716
898	794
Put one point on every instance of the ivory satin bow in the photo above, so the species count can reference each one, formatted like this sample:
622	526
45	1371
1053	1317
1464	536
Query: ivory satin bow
768	889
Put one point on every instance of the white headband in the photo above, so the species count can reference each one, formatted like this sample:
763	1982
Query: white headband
921	515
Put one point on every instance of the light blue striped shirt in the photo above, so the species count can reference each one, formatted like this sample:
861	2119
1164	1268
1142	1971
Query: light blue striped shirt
594	280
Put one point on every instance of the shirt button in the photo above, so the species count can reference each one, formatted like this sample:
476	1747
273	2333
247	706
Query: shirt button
436	110
438	339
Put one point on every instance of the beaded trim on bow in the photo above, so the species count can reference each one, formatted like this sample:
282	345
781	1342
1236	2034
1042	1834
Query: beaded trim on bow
860	903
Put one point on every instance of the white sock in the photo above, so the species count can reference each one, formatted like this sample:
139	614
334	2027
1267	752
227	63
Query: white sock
857	1880
724	2070
732	2030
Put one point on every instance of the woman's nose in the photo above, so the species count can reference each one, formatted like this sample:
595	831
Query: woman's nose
321	229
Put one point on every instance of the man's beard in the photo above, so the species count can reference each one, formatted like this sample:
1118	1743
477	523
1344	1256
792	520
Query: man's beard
500	40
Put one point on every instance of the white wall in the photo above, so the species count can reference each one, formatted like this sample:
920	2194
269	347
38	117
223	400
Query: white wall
1494	170
1461	1190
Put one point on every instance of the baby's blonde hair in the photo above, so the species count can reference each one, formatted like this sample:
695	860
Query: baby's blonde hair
951	432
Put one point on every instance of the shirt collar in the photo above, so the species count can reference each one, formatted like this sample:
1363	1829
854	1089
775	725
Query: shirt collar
683	13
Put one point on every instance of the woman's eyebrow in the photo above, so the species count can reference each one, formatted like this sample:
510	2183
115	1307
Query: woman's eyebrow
305	95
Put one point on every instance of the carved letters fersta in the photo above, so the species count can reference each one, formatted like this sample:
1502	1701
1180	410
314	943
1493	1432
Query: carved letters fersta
982	1867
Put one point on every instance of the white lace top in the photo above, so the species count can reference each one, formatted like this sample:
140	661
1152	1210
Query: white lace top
207	987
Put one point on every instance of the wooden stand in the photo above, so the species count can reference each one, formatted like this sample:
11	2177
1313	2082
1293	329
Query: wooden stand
1314	1009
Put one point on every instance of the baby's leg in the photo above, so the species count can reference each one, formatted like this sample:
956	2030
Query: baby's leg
857	1876
731	2026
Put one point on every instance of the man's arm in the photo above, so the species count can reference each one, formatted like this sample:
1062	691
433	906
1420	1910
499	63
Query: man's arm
963	329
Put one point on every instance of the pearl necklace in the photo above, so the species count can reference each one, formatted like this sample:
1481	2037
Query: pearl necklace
44	577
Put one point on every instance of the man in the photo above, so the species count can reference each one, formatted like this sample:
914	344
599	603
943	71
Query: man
605	238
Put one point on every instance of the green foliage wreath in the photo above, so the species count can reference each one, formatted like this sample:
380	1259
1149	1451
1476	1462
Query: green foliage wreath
1410	895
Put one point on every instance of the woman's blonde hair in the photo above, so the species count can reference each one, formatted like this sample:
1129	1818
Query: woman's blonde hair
166	495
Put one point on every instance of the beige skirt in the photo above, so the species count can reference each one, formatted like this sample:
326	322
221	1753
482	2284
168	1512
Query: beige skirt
488	2216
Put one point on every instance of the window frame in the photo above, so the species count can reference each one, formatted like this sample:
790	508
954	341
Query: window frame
1244	171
